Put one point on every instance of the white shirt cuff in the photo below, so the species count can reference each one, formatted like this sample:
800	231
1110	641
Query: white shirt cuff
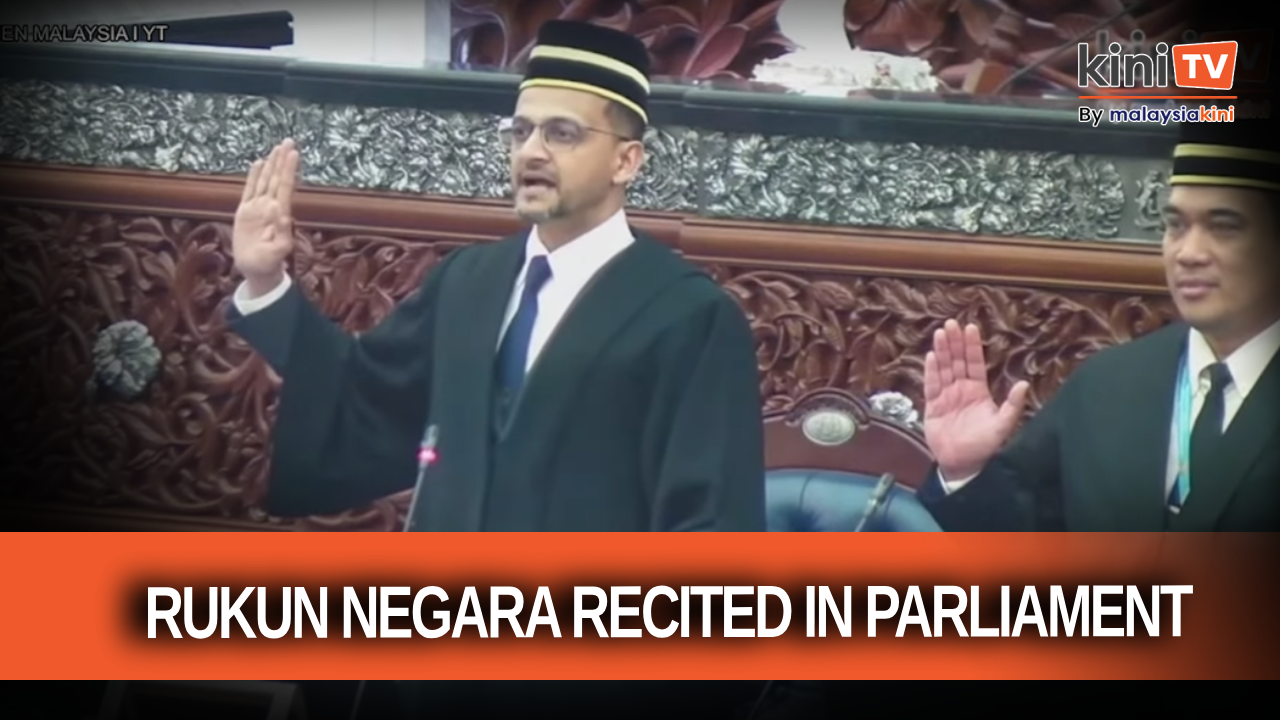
247	305
950	486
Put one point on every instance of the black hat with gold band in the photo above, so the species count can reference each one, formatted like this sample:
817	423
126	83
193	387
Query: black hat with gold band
1244	153
593	59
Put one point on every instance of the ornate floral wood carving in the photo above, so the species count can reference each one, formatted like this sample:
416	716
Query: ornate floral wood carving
729	38
870	334
953	35
698	39
195	444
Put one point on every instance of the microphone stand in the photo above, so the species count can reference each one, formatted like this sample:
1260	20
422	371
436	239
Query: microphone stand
874	504
876	501
426	456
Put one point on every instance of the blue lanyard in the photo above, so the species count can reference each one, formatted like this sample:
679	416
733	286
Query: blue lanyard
1183	419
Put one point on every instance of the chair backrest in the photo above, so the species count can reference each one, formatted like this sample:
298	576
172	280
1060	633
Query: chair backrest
831	429
824	458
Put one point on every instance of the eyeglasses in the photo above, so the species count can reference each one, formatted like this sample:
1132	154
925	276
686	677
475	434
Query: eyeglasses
557	133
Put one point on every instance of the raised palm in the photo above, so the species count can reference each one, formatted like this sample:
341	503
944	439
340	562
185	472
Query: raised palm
963	425
262	237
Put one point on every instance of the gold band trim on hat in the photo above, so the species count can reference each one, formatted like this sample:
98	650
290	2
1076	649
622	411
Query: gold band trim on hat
1224	181
555	52
584	87
1226	152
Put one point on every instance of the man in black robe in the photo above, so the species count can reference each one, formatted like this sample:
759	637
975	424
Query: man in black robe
1176	431
578	376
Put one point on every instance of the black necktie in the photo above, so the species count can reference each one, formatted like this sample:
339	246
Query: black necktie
1206	435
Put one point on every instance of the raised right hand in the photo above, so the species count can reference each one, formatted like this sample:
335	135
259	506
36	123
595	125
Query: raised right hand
962	423
262	236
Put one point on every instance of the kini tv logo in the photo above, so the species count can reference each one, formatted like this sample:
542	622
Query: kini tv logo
1207	65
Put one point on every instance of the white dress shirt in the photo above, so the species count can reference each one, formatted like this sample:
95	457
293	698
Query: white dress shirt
1246	365
572	267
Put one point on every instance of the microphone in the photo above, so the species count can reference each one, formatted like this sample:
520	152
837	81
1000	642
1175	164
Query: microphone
1026	69
426	456
876	502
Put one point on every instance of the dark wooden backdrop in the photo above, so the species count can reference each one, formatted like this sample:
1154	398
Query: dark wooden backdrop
729	39
850	308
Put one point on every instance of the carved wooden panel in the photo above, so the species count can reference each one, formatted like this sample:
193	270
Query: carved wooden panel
704	39
195	445
869	334
699	39
953	35
196	442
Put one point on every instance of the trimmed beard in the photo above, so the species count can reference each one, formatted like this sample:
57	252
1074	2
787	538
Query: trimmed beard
554	211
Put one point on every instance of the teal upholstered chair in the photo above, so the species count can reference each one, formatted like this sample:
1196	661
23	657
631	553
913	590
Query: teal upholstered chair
825	457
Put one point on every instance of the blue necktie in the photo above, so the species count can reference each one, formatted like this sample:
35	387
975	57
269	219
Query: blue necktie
1207	432
513	355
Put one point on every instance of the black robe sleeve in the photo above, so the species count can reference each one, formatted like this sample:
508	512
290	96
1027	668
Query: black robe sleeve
710	474
352	408
1020	489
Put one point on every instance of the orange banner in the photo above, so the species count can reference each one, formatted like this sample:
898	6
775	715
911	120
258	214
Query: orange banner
835	606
